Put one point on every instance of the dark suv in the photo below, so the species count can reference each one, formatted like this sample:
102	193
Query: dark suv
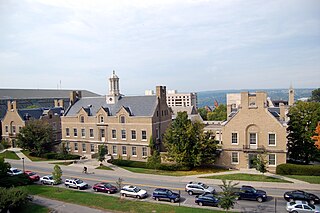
301	195
250	193
165	194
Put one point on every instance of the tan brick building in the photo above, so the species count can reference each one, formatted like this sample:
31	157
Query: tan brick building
252	129
124	124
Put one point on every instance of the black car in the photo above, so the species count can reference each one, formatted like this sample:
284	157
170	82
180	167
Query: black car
250	193
301	195
207	199
165	194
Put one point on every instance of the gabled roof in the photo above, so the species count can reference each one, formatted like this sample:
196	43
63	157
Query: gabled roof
36	113
135	105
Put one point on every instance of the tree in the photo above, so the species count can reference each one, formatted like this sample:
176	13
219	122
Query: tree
36	136
57	174
12	199
186	142
227	197
154	161
261	163
218	114
102	151
203	113
301	126
315	95
316	137
4	168
119	184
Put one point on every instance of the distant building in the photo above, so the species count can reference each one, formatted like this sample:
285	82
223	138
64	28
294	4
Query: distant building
176	99
192	112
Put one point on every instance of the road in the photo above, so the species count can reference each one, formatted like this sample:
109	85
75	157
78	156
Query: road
150	182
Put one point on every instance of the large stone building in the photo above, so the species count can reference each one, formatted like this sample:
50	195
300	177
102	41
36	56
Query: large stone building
254	127
124	124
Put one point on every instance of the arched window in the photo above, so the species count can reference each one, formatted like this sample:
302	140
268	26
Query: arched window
81	119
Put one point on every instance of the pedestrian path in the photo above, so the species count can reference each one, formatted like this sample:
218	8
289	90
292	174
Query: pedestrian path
20	154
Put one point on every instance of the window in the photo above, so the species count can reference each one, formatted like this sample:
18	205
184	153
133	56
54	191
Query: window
92	147
83	132
234	157
101	119
84	147
7	128
124	150
299	206
272	159
307	207
75	132
144	151
13	129
133	134
134	151
114	134
234	138
157	133
253	138
272	139
67	132
122	119
75	146
81	119
123	134
114	150
144	135
102	133
91	133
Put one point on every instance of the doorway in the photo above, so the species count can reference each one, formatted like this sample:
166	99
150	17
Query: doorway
251	158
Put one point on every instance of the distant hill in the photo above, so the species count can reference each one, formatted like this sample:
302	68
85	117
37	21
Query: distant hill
206	98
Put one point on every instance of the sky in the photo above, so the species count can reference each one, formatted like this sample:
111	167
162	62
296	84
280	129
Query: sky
189	46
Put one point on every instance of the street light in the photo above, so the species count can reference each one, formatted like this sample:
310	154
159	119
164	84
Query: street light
23	164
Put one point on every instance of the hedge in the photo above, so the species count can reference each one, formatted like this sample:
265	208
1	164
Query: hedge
57	156
294	169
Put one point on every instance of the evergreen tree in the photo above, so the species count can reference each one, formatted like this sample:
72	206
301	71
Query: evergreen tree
227	197
315	95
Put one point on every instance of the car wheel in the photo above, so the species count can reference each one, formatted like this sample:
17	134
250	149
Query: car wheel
259	199
294	212
95	190
78	187
172	200
200	204
124	195
190	192
108	192
138	197
291	200
42	182
157	199
51	183
237	197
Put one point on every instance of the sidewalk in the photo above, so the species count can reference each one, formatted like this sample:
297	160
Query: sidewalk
19	153
62	207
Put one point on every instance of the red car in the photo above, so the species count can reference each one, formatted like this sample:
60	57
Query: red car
104	187
32	176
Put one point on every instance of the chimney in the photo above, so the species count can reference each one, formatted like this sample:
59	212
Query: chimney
282	111
244	100
161	92
229	110
73	97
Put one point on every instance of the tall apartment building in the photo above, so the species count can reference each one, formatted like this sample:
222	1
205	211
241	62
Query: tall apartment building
124	124
181	99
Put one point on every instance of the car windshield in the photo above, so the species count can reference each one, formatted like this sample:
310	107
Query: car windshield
108	185
15	170
32	173
169	192
79	181
50	178
137	189
204	186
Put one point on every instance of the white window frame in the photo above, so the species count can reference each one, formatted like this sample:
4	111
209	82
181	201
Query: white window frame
275	160
237	158
237	138
134	155
144	151
114	150
124	150
275	139
74	128
102	131
115	133
83	132
74	145
85	147
91	148
125	134
142	135
256	134
133	130
91	131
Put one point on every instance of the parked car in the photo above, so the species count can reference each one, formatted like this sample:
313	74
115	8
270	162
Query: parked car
48	179
250	193
133	191
301	206
207	199
165	194
32	176
301	195
198	188
14	171
75	183
104	187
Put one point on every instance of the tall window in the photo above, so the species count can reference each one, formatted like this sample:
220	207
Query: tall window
84	148
114	150
253	138
81	119
91	133
144	135
102	133
83	132
272	159
234	138
133	134
75	146
122	119
134	151
67	132
13	129
157	133
75	132
272	139
91	147
234	157
7	128
114	134
123	134
144	151
124	150
101	119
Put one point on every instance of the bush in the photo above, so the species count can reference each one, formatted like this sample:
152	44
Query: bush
16	180
13	199
60	156
293	169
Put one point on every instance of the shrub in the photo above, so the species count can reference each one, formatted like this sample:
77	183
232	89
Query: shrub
16	180
60	156
13	198
293	169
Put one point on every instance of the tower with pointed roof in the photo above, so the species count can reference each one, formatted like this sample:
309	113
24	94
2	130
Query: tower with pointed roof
114	89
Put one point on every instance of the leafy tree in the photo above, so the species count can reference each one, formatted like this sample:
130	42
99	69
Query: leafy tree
218	114
119	184
4	167
57	174
186	142
154	161
261	163
36	136
13	198
227	197
301	126
316	137
102	151
315	95
203	113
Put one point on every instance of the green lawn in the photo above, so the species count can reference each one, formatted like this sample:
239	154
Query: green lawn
309	179
247	177
9	155
195	171
27	153
103	167
112	203
34	208
63	163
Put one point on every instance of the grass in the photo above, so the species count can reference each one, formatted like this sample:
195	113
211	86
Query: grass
195	171
109	202
9	155
309	179
34	208
247	177
33	158
63	163
103	167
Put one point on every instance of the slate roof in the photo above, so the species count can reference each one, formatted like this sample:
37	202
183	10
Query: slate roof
36	113
135	105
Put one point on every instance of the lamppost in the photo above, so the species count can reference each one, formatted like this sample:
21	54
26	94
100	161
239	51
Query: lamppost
23	164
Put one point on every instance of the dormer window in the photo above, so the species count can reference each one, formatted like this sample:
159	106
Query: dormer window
101	119
81	119
122	119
